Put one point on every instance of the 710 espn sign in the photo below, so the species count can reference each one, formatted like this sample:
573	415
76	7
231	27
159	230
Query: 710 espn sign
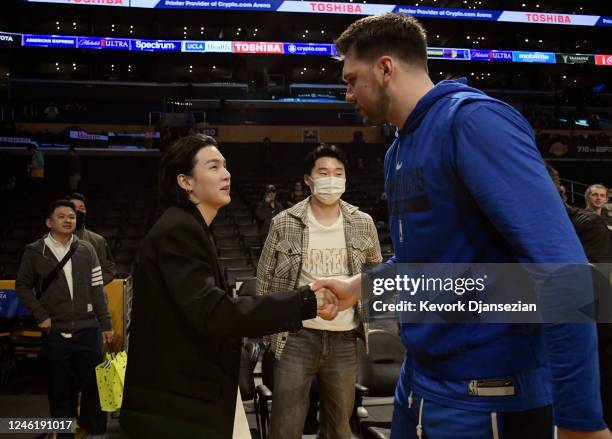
603	60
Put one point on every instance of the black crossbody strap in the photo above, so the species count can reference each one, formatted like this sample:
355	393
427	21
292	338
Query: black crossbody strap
53	274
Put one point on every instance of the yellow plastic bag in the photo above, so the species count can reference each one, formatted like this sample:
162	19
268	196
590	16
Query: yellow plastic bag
110	376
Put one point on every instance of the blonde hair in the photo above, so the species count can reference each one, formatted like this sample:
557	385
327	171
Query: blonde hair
589	191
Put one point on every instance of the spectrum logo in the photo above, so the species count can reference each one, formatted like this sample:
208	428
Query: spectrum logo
155	46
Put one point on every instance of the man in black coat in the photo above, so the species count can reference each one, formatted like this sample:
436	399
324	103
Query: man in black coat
185	340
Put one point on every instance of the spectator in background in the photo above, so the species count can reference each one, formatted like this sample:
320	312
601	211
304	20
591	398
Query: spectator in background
74	169
51	111
597	243
97	241
297	194
70	308
608	207
267	209
36	166
596	197
336	240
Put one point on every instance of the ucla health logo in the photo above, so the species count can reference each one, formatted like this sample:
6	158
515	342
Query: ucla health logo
193	46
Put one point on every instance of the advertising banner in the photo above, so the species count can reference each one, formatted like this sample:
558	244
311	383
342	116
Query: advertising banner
49	41
349	8
534	57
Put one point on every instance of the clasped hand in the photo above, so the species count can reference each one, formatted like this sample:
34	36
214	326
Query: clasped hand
335	295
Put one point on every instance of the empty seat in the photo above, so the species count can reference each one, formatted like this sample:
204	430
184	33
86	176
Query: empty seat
251	240
9	258
242	220
129	231
377	377
124	256
123	270
248	229
222	221
231	274
223	231
109	232
231	253
13	246
248	287
10	271
128	243
232	262
228	242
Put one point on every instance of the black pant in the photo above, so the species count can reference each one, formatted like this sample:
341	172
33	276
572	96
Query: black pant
76	356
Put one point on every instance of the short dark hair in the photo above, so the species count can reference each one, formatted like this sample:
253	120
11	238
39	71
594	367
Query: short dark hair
180	158
386	34
556	179
59	203
77	196
323	151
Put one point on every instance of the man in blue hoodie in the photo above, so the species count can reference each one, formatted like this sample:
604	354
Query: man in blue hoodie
466	184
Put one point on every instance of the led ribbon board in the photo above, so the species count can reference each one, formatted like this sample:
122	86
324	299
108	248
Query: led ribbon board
289	48
353	9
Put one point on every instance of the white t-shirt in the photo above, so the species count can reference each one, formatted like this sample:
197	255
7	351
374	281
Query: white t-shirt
327	256
60	250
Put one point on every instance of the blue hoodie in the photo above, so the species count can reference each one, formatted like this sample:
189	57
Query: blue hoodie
466	183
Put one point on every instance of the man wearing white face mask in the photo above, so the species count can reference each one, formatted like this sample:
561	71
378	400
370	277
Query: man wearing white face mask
321	236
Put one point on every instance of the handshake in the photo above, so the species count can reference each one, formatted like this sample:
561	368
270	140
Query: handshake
335	295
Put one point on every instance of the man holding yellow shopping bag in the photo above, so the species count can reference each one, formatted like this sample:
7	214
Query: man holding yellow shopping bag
60	282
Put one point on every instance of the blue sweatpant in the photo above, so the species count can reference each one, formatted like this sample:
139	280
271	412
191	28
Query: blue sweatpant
412	415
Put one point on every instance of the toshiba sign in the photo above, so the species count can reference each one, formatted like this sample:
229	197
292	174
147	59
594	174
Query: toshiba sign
548	18
603	60
541	18
257	47
336	8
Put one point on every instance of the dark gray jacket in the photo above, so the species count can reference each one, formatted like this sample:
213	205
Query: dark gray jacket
86	309
102	250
